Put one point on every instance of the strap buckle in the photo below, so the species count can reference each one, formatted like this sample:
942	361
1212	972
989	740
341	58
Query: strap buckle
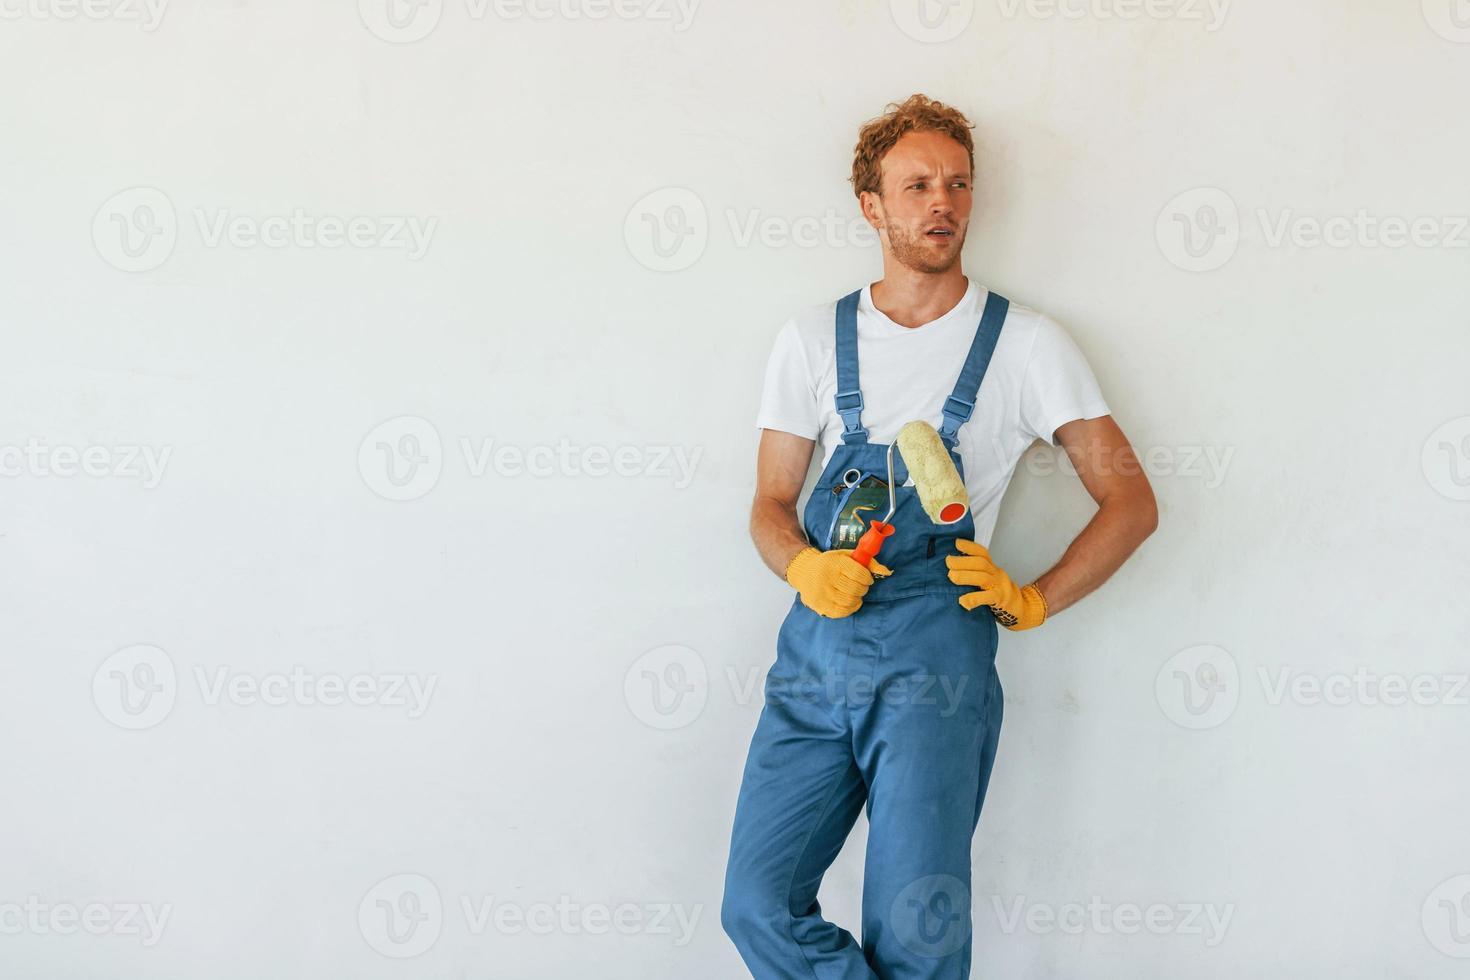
963	412
849	406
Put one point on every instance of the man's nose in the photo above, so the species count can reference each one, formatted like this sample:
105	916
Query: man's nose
941	201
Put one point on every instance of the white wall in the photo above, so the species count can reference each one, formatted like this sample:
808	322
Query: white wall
1326	541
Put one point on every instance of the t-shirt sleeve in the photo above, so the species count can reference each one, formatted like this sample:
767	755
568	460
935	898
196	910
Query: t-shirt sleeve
1059	386
789	397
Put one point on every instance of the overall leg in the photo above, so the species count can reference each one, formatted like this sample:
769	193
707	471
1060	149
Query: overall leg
926	744
800	795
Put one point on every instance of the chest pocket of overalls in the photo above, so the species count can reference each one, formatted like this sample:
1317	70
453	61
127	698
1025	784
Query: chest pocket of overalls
855	506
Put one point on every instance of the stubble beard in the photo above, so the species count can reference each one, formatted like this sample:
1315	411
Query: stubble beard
915	252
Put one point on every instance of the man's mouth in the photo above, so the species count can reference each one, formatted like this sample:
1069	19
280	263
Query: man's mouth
940	233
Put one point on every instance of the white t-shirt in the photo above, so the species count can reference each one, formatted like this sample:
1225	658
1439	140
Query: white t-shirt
1037	381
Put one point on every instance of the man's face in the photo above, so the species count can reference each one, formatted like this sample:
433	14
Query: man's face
924	211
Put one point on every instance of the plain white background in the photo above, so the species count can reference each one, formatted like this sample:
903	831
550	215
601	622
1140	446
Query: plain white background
509	461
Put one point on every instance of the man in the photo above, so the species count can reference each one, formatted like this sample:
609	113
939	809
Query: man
884	690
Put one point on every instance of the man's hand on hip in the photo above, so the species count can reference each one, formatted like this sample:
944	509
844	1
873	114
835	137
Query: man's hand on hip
1015	607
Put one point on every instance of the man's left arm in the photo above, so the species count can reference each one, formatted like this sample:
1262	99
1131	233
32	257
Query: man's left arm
1127	513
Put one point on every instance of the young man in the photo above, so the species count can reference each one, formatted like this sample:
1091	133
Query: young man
884	690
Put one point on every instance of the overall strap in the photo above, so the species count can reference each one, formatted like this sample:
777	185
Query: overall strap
849	396
959	405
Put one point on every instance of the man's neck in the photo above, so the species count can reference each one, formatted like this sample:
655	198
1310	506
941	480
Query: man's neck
912	299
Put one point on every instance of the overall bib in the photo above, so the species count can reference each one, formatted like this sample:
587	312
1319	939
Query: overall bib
898	707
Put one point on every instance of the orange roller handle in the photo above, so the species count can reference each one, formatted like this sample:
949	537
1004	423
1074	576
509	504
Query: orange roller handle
871	542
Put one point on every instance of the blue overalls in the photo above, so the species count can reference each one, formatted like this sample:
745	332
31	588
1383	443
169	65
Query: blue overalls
897	706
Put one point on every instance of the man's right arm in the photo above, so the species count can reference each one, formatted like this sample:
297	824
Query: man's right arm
780	473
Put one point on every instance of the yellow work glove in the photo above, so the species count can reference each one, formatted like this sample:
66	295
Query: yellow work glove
1015	608
830	582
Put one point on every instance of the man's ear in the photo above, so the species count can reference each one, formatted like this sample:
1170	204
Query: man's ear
872	207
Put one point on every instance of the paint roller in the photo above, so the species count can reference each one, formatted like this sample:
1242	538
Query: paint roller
941	491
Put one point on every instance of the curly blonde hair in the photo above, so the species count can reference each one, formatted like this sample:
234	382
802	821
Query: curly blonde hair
918	113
